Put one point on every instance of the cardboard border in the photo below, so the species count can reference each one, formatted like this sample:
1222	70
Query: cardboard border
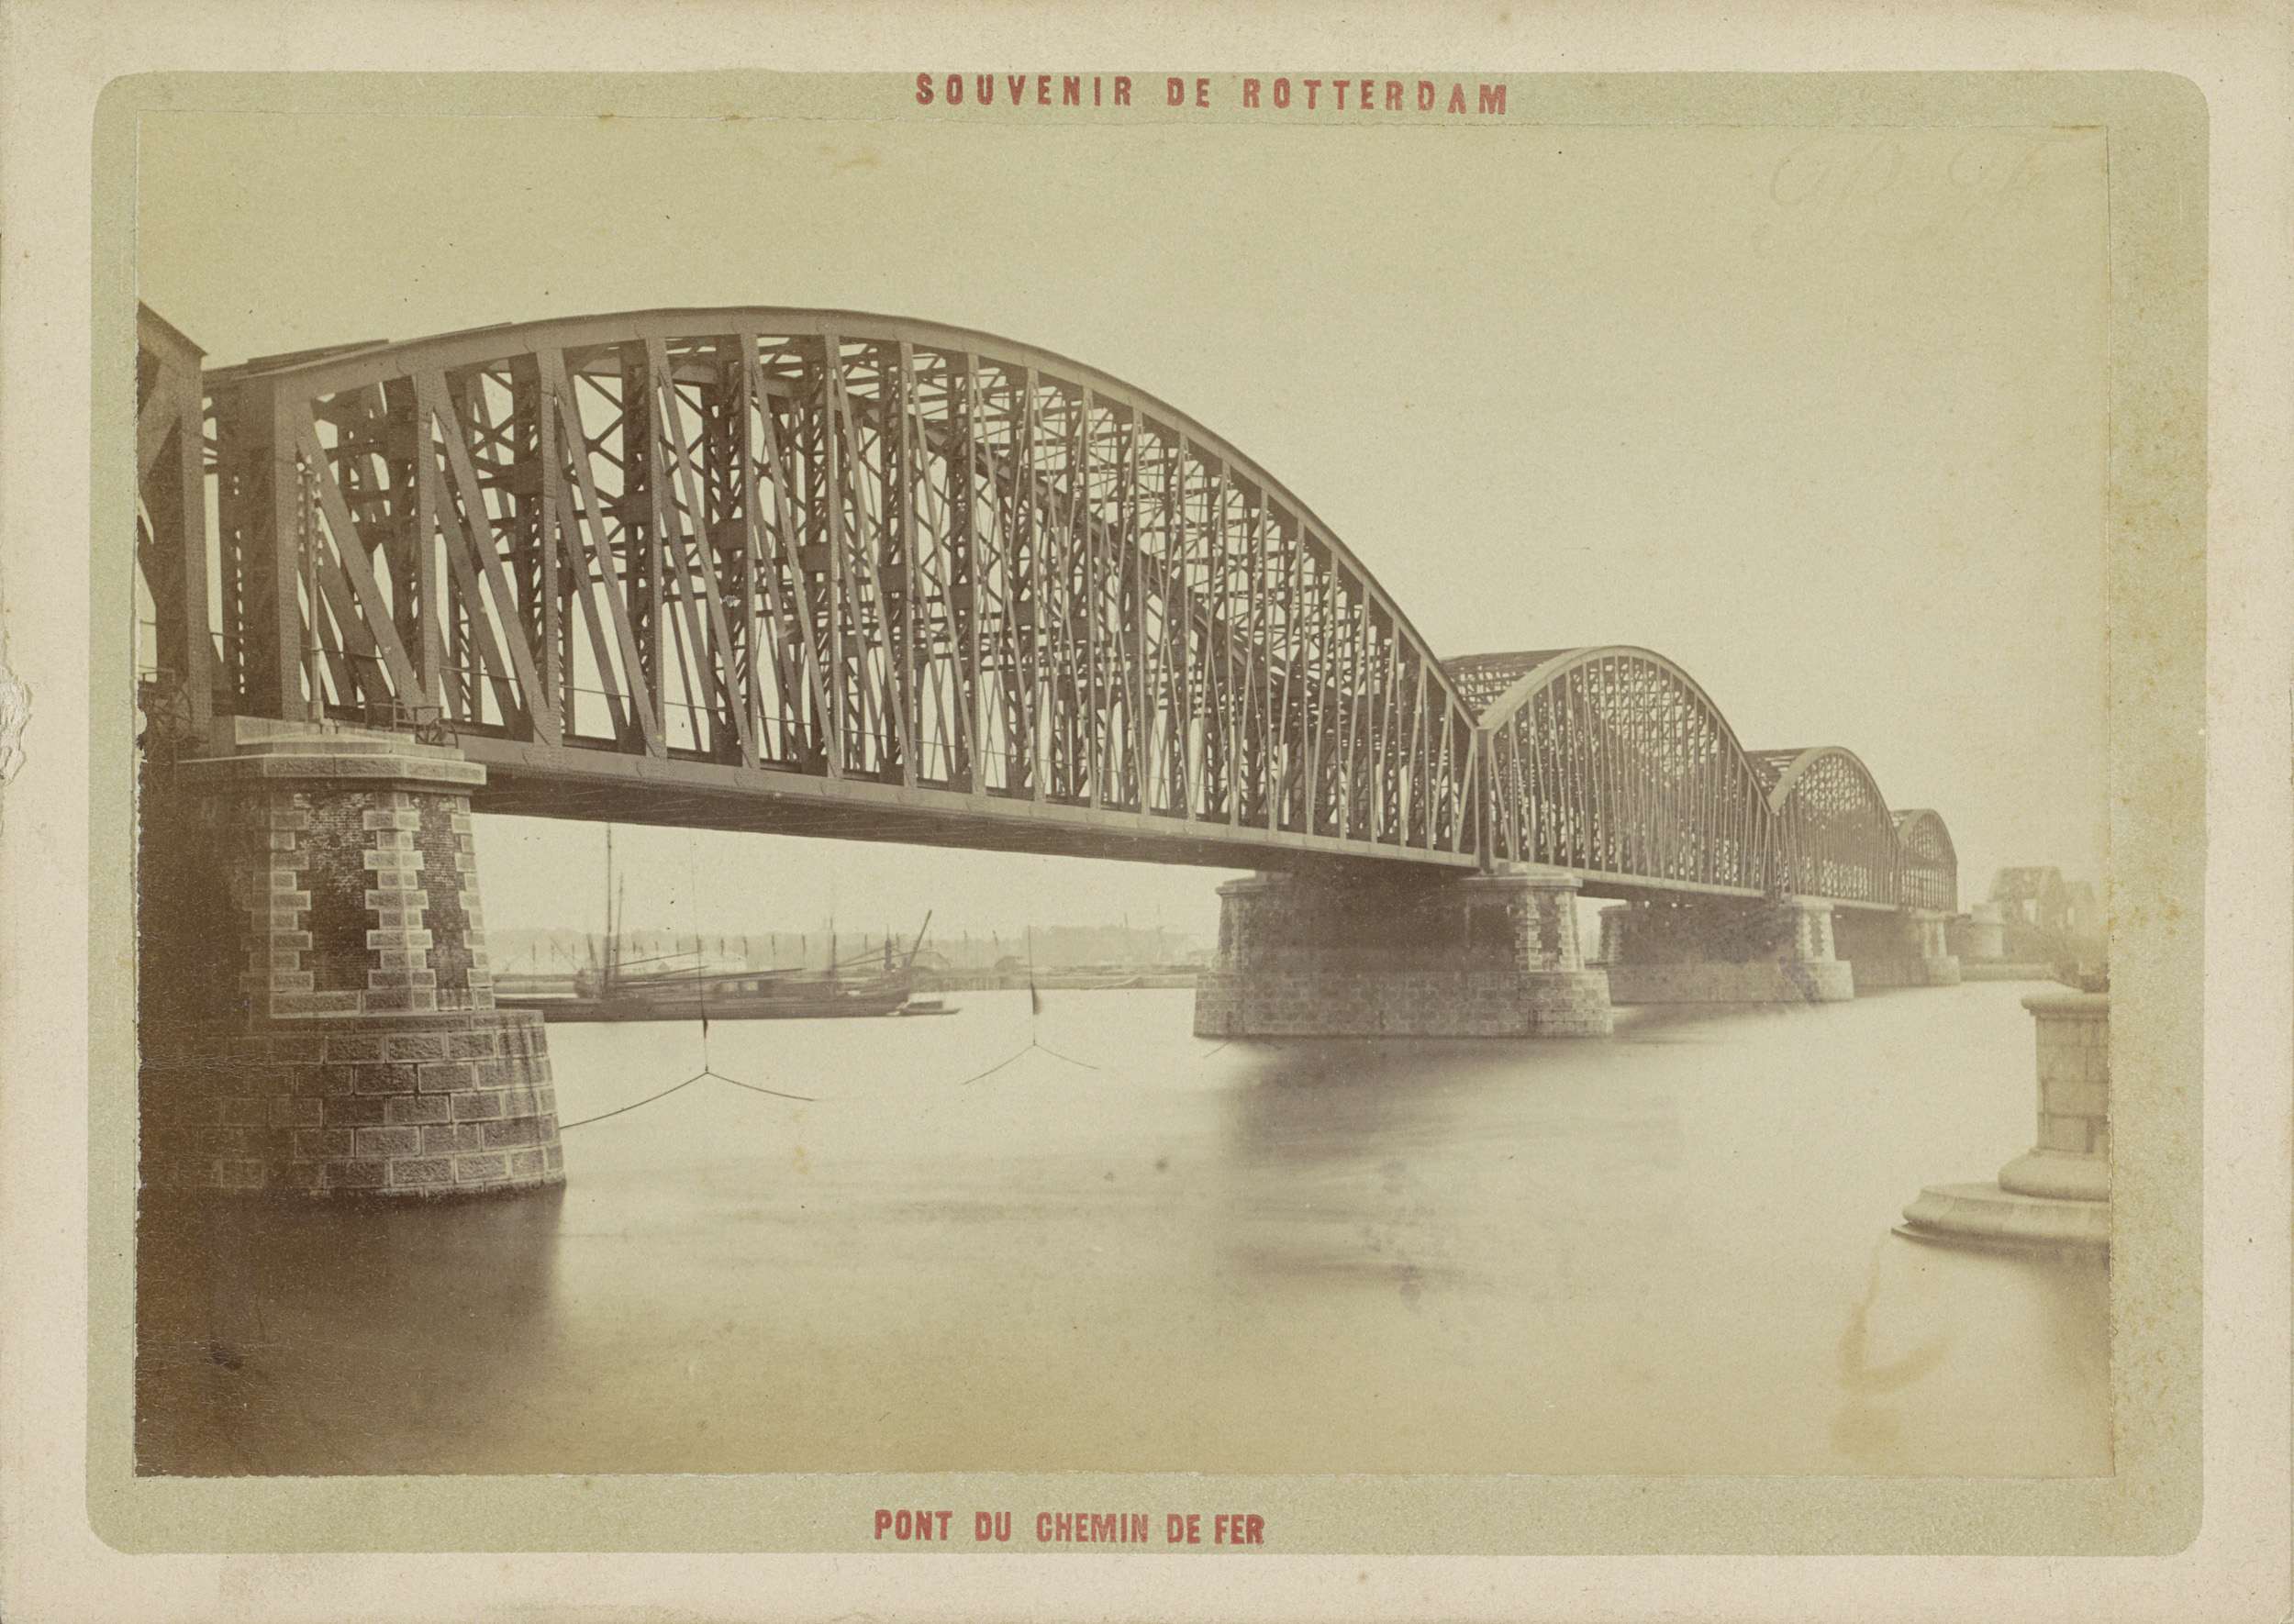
55	55
2156	126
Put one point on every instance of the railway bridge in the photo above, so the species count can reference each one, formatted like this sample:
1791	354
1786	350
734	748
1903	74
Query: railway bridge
832	574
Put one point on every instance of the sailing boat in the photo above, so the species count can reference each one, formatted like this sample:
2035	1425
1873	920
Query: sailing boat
663	988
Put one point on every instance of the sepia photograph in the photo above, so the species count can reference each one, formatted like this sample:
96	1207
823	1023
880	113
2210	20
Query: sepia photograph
1173	813
1417	798
1090	812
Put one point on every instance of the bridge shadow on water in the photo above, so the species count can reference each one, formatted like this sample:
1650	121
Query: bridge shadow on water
1395	1165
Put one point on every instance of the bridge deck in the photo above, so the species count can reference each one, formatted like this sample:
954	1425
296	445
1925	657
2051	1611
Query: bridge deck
537	781
533	781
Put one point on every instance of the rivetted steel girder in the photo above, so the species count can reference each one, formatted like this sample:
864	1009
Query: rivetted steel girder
848	573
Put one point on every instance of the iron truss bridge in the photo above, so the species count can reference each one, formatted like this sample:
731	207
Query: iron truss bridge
822	572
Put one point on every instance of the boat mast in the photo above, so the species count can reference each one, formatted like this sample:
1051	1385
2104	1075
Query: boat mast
613	921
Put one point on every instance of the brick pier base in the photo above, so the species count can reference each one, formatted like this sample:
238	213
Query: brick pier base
1481	956
1723	950
2058	1192
316	1009
406	1105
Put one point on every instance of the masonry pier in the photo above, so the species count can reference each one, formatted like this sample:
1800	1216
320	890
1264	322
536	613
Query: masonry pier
317	1012
2058	1194
1322	955
1718	950
1898	948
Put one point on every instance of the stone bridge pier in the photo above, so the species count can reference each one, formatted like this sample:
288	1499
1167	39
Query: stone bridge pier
317	1011
1489	955
1719	950
1907	948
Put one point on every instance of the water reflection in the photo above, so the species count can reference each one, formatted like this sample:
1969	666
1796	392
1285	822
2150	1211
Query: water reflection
292	1339
1325	1174
1670	1252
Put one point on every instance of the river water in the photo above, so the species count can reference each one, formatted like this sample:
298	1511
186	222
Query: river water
1133	1249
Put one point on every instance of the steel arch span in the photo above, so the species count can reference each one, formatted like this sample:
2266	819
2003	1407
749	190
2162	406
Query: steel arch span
820	571
1931	864
1612	762
1835	835
809	569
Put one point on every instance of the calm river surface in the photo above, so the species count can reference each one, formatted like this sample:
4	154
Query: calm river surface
1668	1252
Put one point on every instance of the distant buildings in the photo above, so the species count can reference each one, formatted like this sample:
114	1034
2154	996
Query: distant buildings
2034	917
1052	947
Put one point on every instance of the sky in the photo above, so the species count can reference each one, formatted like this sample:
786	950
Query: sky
1817	413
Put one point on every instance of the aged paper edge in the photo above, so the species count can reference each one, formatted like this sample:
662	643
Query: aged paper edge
2156	126
52	1565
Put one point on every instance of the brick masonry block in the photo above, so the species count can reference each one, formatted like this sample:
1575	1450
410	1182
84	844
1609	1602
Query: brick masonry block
451	1140
407	1109
448	1076
284	1005
388	1077
355	1175
477	1106
354	1111
329	1081
323	1143
402	1001
474	1170
382	1143
296	1113
2062	1133
247	1111
385	978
